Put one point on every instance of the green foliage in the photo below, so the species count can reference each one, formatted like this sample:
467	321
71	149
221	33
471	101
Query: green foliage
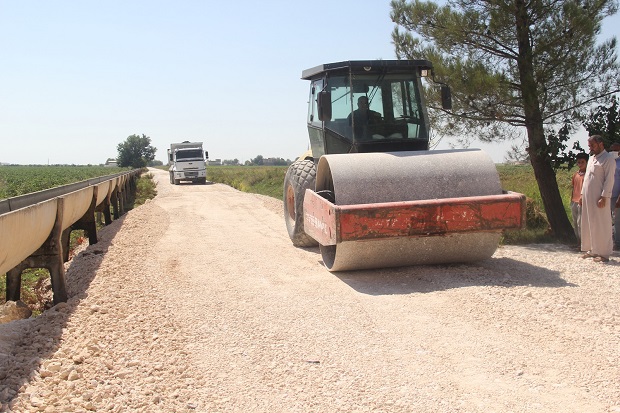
145	189
557	146
514	65
264	180
498	57
605	121
527	236
32	291
136	151
260	160
18	180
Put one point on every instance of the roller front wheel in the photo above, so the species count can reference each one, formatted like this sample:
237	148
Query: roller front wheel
300	176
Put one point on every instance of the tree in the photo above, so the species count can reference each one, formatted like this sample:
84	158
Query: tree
136	151
605	121
514	65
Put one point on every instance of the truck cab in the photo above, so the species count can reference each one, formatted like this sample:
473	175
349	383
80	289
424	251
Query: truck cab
187	162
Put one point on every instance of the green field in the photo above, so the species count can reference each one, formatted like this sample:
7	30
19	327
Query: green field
18	180
264	180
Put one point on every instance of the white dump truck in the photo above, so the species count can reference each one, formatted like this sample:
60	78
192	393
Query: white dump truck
187	162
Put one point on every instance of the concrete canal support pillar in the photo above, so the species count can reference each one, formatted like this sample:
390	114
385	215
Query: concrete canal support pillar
48	256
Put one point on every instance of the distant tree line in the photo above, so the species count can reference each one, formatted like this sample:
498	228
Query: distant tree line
259	160
137	152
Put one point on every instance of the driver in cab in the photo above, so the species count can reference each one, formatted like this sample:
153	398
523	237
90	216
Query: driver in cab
362	117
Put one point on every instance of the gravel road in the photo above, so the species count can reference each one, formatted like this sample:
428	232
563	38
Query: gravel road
197	301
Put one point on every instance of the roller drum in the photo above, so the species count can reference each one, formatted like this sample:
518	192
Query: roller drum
369	178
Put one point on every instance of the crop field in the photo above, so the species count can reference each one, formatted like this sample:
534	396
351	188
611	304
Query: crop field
18	180
264	180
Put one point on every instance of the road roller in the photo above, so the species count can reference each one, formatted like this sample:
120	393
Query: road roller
371	194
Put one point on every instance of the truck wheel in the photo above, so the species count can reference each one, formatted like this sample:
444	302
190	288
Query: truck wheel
177	181
300	176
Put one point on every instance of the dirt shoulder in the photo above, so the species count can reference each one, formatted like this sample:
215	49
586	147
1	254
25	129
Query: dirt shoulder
197	301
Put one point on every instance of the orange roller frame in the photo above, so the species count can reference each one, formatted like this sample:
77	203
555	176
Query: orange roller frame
331	224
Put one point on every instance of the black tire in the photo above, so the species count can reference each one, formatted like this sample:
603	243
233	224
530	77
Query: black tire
177	181
300	176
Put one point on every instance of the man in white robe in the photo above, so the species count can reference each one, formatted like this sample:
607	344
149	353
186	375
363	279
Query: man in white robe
596	236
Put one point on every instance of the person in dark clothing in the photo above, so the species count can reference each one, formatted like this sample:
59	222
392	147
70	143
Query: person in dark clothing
362	117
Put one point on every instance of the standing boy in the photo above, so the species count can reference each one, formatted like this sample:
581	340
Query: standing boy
575	201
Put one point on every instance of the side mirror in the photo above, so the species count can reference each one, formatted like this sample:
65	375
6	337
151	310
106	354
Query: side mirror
206	155
324	103
446	97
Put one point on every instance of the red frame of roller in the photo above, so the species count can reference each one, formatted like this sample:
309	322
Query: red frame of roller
331	224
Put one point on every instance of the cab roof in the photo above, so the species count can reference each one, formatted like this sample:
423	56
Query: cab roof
368	66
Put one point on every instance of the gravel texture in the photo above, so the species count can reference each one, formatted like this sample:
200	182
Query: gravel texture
197	301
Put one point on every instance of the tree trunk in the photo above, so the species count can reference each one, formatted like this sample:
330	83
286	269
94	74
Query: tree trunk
538	149
550	194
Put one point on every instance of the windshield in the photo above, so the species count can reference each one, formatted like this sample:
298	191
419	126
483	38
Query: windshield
373	107
189	154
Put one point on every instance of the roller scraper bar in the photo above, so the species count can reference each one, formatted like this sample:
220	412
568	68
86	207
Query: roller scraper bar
331	224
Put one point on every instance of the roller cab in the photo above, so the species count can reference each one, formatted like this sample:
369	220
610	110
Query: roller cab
368	106
371	194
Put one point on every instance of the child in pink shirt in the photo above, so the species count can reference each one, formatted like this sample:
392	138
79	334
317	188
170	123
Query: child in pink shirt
577	181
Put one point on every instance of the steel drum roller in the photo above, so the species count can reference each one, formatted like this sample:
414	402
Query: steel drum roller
369	178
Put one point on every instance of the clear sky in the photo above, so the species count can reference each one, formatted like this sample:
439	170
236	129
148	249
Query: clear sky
78	77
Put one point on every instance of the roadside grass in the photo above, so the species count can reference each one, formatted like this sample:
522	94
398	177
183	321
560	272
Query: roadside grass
145	189
33	291
264	180
520	178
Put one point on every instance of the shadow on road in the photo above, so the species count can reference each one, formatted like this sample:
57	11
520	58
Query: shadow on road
498	272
